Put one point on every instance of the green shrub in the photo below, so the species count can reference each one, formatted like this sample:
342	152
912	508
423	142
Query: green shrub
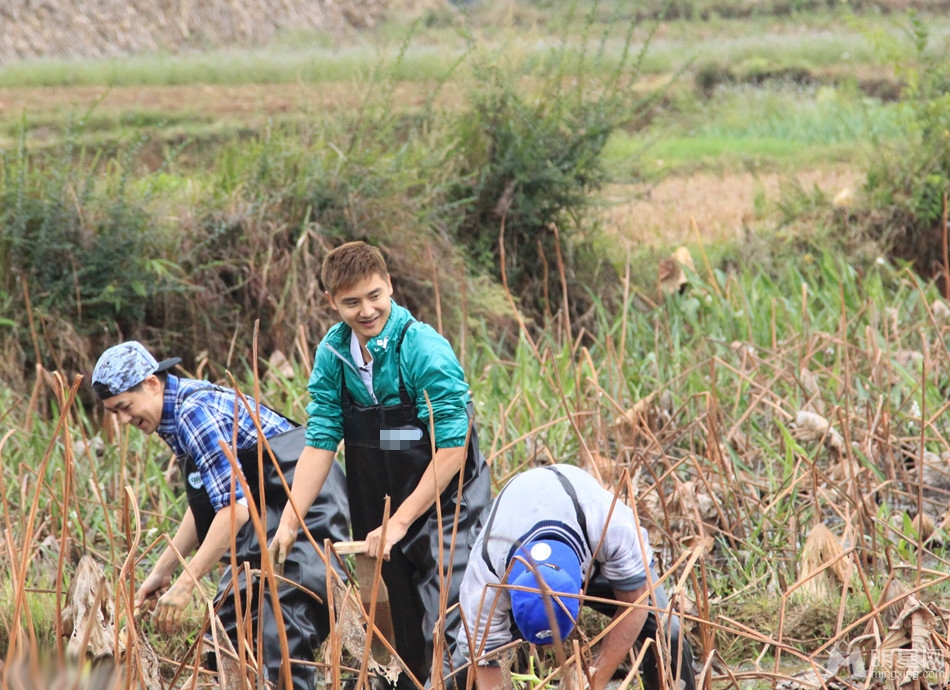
531	142
76	242
907	181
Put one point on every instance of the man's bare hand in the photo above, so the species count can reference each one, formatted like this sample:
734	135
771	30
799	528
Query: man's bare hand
281	546
394	533
152	585
170	607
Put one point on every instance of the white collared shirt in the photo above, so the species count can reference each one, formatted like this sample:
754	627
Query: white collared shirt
365	368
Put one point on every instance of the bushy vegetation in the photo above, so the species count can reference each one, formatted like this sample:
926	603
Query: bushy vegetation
78	251
703	400
180	256
202	244
532	144
907	184
798	379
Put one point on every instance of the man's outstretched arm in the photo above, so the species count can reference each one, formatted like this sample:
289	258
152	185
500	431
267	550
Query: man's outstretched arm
311	472
171	604
619	641
184	542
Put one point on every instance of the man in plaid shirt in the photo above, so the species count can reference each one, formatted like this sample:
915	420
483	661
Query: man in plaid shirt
195	418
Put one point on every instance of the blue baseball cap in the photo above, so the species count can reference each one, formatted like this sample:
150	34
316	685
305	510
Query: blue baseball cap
560	569
124	366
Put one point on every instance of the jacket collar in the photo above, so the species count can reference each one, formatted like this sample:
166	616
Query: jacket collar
384	343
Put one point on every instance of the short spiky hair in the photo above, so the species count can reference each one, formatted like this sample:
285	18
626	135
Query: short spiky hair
350	263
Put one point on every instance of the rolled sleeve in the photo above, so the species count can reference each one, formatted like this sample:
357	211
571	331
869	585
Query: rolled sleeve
325	423
431	366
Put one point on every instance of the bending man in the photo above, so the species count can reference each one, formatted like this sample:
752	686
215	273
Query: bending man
559	524
193	417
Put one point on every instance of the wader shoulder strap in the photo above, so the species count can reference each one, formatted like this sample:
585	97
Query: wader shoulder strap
572	492
568	489
486	533
346	396
212	386
208	387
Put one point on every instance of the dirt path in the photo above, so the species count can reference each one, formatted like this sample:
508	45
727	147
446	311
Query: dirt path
213	100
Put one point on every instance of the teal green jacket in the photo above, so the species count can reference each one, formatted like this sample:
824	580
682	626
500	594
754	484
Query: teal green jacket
428	364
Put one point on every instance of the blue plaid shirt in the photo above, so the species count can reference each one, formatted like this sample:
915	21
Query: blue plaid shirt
196	415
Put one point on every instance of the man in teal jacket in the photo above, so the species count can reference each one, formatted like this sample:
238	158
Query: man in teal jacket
381	380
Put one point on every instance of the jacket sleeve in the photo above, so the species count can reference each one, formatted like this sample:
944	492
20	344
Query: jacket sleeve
429	366
325	423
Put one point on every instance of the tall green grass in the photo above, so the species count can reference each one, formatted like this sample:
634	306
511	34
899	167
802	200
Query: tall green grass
701	390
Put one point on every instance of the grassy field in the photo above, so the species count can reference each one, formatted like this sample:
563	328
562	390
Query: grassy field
780	423
747	412
805	72
794	93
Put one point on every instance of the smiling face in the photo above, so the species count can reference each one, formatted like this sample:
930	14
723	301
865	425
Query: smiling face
141	407
365	306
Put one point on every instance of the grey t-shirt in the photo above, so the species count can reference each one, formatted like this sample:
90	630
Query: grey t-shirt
536	505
